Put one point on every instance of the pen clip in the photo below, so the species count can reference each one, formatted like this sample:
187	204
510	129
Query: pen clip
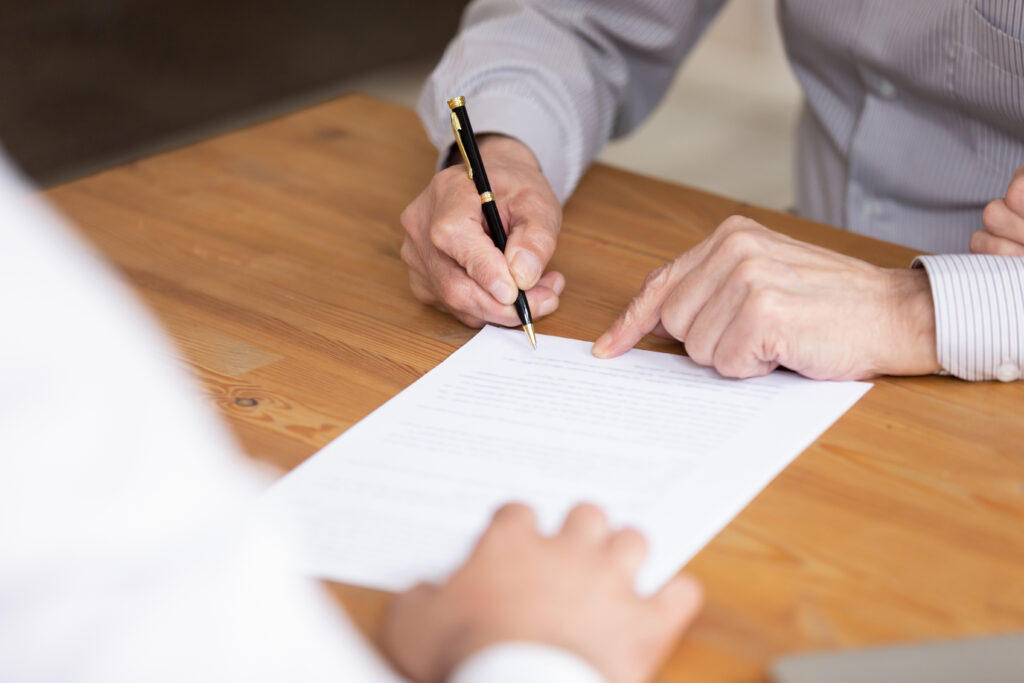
456	127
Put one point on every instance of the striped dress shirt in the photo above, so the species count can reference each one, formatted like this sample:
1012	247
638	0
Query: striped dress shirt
913	121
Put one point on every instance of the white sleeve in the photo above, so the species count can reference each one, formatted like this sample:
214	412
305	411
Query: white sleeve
127	549
517	662
562	76
979	314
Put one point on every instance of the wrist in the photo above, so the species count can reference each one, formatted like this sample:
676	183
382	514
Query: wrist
910	348
463	645
507	149
497	149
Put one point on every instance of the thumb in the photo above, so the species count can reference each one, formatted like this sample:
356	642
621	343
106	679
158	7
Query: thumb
642	315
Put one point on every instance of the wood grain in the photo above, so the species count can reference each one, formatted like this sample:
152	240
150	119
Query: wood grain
271	256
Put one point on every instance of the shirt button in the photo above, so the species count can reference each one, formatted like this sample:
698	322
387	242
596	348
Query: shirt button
1008	372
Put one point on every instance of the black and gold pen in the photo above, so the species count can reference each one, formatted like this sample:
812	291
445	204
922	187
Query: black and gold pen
466	141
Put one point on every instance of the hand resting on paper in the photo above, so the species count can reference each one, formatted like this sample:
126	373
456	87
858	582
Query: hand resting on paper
573	590
747	300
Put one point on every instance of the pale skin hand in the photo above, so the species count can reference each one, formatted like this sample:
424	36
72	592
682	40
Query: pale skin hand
747	300
573	590
1004	222
454	265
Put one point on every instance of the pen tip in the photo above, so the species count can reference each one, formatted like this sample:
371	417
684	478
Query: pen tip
530	335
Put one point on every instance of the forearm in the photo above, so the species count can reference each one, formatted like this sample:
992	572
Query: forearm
562	77
979	314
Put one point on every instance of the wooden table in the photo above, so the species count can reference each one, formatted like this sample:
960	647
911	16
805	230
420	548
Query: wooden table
271	256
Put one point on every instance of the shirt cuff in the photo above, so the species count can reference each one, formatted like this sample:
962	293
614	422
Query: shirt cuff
979	314
518	662
512	116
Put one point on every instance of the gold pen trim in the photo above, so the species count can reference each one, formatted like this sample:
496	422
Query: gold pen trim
530	335
486	197
456	127
456	102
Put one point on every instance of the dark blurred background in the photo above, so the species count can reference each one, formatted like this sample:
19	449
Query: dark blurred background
87	83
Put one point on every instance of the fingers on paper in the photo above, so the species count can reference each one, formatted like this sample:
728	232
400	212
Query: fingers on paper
585	524
517	516
641	315
628	548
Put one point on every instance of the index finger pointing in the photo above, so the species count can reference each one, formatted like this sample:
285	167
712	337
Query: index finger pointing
641	316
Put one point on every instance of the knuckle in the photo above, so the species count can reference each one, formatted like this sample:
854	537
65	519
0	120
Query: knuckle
676	310
735	223
675	325
650	291
766	305
529	196
728	365
419	291
407	253
698	348
442	232
740	243
481	265
422	295
408	217
634	312
446	182
657	278
447	175
752	269
454	294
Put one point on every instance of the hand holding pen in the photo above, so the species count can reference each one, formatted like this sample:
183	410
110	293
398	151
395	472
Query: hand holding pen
453	263
466	142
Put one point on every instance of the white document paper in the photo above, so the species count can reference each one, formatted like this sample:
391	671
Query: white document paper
655	440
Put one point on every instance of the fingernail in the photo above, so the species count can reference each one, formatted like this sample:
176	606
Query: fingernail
600	347
547	307
503	292
525	268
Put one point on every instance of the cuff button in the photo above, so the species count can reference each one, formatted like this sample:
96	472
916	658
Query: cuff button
1008	372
